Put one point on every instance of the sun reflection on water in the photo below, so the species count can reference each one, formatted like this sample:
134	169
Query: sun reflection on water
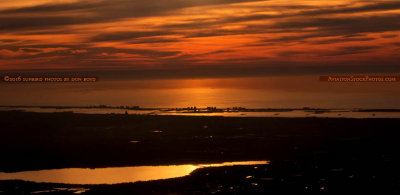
113	175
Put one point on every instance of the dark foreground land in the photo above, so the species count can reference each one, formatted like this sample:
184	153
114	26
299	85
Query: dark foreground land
308	155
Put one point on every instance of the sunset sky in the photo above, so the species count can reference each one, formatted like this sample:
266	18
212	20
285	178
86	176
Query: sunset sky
199	34
206	39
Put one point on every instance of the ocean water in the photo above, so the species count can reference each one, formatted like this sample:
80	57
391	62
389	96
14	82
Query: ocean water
268	92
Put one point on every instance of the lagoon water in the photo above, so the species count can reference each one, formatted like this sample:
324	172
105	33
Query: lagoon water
114	175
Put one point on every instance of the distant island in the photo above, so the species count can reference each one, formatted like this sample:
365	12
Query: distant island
210	109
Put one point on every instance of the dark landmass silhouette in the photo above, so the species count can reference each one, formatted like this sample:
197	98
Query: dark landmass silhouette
308	155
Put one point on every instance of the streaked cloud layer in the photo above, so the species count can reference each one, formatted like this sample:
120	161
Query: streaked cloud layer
193	34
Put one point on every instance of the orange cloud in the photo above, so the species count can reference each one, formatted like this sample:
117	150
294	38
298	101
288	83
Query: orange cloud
178	34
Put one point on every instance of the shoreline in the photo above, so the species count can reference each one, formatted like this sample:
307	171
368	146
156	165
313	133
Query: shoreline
270	113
